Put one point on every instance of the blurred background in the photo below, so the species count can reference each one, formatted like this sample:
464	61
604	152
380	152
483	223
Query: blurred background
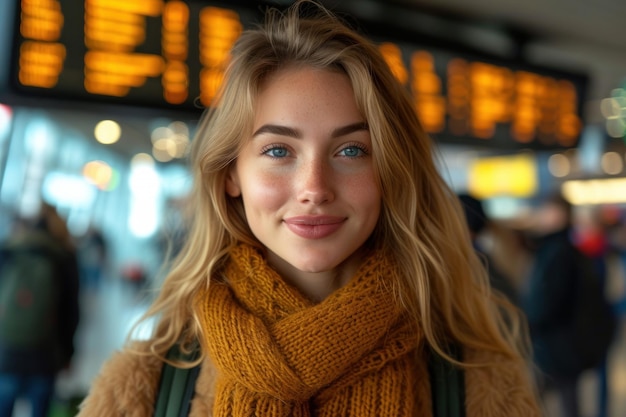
99	100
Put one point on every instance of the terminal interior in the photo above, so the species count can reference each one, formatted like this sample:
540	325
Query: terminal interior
520	99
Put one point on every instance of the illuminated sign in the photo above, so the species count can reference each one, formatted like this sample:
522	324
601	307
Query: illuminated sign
460	97
503	175
139	52
595	191
172	54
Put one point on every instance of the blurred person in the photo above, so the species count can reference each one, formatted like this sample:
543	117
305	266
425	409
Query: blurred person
617	247
39	311
592	237
93	256
478	225
571	322
327	264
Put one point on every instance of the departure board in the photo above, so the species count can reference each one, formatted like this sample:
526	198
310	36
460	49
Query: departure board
172	54
510	105
142	52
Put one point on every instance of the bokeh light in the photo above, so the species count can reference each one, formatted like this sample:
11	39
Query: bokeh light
107	132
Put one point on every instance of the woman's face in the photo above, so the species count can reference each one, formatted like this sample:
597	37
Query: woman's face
306	174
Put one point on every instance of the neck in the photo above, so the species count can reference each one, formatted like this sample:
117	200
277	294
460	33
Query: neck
316	286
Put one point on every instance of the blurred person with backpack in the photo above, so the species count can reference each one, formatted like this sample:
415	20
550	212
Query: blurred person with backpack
479	225
571	322
93	256
39	311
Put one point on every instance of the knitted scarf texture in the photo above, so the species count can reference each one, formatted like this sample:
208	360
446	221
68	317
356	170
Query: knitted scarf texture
279	354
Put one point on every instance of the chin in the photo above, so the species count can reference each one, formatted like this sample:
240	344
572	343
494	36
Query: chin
311	262
314	267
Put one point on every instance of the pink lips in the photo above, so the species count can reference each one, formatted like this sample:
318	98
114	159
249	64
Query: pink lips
314	227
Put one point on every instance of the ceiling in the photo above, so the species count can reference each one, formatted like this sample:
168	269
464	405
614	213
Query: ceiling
581	35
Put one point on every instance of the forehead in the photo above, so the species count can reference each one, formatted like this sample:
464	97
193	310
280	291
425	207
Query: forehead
298	92
305	78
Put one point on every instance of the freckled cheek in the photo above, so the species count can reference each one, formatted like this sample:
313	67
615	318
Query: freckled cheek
363	190
265	192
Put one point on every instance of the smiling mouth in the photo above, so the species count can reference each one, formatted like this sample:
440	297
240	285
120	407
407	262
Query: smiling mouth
314	227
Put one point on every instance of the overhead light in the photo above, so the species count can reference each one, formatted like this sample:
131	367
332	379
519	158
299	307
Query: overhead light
614	111
611	163
559	165
595	191
107	132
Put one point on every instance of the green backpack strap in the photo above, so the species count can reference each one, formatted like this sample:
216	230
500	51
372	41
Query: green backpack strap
176	386
447	384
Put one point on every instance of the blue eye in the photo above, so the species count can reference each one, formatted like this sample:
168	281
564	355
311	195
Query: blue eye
276	152
352	151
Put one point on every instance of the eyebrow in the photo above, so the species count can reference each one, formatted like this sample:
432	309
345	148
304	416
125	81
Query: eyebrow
295	133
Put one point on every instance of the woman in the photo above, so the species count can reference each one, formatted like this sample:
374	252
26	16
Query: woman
326	258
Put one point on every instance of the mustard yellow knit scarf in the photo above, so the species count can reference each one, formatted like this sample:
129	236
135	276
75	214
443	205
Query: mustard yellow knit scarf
279	354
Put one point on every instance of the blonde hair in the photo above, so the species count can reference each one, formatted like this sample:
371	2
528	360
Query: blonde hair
442	284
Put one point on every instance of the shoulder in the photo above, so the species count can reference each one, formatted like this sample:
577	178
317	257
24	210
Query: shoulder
202	403
505	384
126	385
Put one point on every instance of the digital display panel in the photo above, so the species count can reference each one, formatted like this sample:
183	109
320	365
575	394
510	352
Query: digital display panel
172	54
140	52
458	97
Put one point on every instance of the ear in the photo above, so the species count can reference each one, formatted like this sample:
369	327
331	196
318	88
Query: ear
232	182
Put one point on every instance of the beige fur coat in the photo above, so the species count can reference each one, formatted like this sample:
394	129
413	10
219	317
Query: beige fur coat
127	384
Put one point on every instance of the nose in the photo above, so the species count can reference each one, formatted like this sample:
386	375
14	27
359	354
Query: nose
315	182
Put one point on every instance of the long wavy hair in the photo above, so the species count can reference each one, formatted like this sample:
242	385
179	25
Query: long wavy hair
442	283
